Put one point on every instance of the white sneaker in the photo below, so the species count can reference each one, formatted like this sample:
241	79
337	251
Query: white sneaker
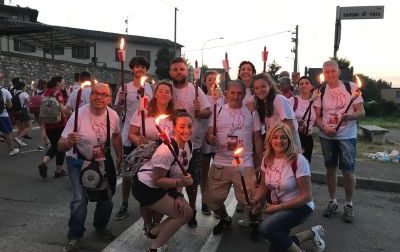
319	236
13	152
243	223
20	142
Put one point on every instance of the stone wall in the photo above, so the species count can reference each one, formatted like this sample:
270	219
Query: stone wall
31	68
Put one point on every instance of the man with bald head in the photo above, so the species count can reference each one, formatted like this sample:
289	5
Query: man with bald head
90	140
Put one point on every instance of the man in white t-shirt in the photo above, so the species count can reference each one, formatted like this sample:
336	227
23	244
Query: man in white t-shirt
90	141
129	101
236	127
338	145
185	98
5	123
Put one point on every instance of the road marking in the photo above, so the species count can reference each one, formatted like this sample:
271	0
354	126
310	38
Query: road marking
185	240
33	128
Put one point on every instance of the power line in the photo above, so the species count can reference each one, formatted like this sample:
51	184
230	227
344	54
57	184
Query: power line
239	42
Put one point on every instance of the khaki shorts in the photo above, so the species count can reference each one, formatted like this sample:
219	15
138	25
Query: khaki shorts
220	180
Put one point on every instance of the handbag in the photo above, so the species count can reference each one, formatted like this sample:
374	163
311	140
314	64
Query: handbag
99	187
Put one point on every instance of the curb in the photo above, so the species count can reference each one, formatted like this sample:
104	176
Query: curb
362	183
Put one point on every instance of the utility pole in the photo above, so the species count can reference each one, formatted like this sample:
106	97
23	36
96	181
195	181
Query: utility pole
295	50
176	10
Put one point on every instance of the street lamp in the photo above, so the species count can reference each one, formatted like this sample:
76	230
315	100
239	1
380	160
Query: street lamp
202	49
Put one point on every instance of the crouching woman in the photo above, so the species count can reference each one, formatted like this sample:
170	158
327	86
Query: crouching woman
159	183
286	183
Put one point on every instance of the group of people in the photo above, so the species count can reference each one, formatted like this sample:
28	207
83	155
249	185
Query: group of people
251	136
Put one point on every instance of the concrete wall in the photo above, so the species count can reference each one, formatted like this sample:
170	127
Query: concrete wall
389	94
31	68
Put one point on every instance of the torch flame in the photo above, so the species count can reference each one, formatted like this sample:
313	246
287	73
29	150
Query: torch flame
160	117
358	81
95	81
142	80
238	151
321	78
122	44
217	80
85	84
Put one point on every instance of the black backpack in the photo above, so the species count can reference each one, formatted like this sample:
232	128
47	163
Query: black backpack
323	88
16	102
2	101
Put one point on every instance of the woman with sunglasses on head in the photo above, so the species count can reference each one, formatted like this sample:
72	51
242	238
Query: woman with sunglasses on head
161	103
159	182
273	107
286	183
305	115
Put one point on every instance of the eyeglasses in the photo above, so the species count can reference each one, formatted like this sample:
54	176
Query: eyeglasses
185	160
100	95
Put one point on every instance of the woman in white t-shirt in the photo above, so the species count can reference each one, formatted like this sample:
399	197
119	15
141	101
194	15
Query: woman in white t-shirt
273	107
159	182
305	115
286	181
246	72
161	103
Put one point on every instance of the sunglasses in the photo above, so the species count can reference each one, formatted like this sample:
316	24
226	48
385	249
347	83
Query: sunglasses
185	160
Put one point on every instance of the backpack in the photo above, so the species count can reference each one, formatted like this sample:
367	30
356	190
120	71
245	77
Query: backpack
34	103
49	111
2	101
142	154
16	102
323	88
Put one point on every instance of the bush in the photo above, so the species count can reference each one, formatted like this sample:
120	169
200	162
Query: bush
385	108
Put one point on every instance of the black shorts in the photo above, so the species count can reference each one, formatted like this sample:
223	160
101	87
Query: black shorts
195	165
22	116
146	195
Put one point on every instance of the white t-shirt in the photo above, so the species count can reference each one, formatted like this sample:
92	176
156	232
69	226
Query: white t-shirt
335	102
151	130
6	97
163	158
248	98
23	98
85	97
183	99
132	105
205	147
235	122
92	129
281	180
301	109
282	110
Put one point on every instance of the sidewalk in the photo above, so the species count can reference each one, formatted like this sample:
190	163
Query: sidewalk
371	174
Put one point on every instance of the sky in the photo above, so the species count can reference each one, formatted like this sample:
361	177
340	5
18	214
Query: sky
246	27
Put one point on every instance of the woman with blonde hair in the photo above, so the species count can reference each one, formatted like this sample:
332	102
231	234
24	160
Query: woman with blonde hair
286	182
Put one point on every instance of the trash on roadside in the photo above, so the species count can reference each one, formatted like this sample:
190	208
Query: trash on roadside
393	156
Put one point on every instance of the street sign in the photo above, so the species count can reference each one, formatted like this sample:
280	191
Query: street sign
362	12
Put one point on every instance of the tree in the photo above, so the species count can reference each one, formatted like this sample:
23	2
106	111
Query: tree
342	62
273	69
163	58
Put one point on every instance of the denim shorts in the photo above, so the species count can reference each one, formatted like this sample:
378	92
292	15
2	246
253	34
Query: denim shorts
339	153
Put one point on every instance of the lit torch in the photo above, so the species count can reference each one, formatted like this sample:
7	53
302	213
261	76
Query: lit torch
321	78
214	95
225	63
77	105
167	141
264	59
355	95
121	57
238	162
143	104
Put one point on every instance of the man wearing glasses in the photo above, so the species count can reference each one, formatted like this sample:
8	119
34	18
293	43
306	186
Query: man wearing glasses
90	140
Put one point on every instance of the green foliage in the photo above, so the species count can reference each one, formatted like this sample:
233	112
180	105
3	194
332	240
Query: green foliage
384	122
273	69
342	62
163	58
384	108
371	90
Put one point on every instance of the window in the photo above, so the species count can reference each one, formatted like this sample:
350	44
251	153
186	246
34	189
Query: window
81	52
20	46
57	50
397	94
145	54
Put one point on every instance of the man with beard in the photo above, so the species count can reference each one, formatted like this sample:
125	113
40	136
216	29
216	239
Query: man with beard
130	100
185	98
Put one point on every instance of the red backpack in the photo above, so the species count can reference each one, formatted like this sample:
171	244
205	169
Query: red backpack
34	103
